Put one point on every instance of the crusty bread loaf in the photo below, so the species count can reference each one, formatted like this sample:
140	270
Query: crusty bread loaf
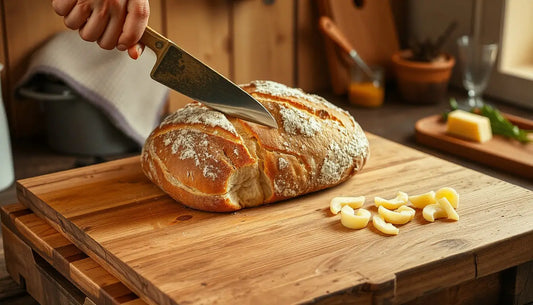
211	162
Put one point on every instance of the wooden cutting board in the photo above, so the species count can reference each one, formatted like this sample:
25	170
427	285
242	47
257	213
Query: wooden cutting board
18	222
292	251
24	233
502	153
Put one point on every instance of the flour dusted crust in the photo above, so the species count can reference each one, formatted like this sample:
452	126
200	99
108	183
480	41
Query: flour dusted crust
212	162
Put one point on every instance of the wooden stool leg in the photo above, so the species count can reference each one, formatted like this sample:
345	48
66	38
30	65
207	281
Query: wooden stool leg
518	284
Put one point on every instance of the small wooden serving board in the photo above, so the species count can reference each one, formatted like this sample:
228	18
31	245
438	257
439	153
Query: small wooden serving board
293	251
499	152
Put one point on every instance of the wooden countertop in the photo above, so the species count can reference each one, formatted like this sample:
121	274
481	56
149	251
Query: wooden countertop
395	121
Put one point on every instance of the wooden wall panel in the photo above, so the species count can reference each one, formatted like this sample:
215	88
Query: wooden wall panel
312	73
201	28
157	15
28	24
3	61
263	41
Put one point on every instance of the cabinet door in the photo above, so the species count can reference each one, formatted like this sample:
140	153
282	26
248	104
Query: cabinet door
263	40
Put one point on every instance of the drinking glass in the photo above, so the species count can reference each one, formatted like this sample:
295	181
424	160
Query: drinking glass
476	60
366	90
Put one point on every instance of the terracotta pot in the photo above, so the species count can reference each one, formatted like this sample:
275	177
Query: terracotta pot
422	82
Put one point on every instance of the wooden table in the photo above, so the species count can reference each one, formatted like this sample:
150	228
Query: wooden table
399	124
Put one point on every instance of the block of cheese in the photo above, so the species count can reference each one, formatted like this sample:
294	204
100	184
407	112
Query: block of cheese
469	126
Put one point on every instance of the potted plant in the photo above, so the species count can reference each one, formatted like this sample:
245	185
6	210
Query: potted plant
423	70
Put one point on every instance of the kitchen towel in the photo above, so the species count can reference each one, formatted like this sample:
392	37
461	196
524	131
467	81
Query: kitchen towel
109	79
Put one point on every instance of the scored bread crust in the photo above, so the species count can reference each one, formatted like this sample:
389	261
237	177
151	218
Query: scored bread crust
212	162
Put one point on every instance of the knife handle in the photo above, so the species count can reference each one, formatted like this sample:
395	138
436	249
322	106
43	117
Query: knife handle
155	41
332	31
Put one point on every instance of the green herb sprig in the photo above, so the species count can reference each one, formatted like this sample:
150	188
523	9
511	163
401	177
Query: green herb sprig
498	123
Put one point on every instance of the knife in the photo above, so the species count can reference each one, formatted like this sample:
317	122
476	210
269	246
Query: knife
180	71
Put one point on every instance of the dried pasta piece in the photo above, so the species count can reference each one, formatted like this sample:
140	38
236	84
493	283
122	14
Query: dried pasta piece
392	204
384	227
433	211
400	216
353	220
337	203
421	200
450	194
448	208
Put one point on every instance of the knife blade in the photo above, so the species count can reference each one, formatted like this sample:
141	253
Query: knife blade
180	71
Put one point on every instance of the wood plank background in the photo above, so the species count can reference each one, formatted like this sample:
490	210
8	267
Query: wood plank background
3	61
28	24
203	29
263	36
311	64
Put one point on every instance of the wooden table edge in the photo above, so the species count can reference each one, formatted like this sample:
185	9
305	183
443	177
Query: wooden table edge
9	215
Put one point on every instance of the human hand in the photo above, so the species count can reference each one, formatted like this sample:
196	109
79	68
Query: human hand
111	23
